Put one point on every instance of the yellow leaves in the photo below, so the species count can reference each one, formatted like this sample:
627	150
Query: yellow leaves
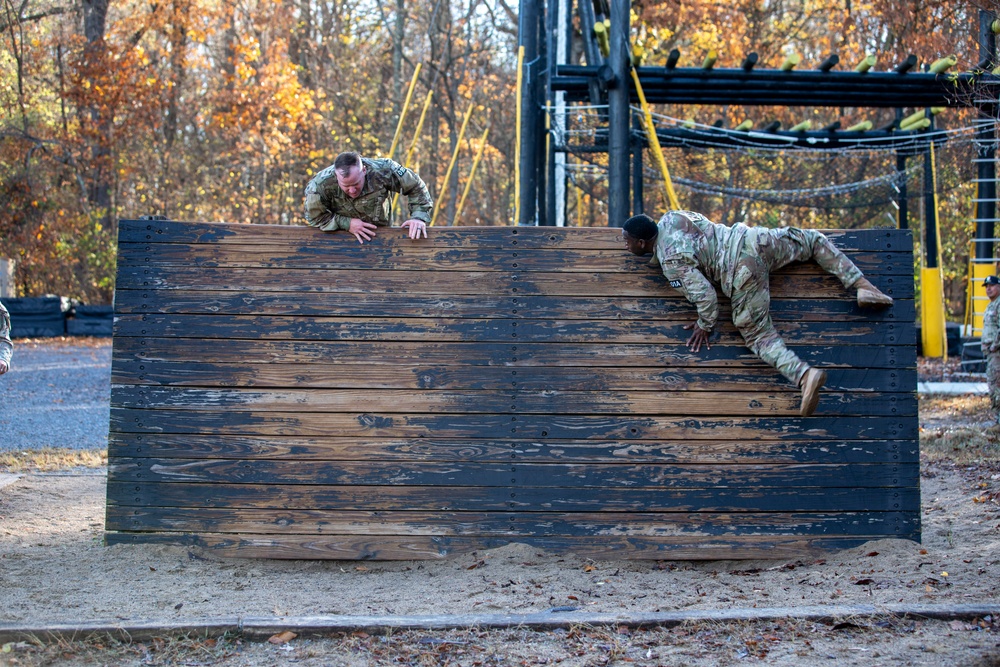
245	71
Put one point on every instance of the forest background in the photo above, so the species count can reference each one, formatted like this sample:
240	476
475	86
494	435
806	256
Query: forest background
222	110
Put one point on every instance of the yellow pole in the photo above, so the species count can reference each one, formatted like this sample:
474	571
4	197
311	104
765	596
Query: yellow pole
472	172
402	114
866	64
791	61
451	165
654	143
517	140
943	64
413	142
420	126
932	315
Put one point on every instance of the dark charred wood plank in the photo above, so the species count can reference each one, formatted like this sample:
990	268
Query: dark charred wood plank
669	354
493	378
819	427
430	258
491	498
400	401
170	231
645	281
360	305
512	524
491	330
514	473
304	449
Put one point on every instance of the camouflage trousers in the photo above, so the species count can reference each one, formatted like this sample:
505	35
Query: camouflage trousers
993	382
766	250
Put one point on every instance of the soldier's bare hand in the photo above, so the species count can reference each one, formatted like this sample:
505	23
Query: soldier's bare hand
416	228
698	337
363	231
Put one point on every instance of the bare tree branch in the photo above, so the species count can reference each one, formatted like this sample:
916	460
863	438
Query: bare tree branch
55	11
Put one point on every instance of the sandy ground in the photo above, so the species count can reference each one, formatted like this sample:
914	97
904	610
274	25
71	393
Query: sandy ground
54	569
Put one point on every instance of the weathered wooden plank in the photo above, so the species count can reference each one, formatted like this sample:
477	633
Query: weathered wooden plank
819	427
491	330
513	524
400	401
802	284
495	378
514	474
668	354
492	498
427	548
170	231
332	448
360	305
430	258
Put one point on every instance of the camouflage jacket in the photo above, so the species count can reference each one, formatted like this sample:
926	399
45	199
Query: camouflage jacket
329	208
6	348
693	252
991	328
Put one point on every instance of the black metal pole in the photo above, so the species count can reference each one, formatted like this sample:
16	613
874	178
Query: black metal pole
930	209
527	32
904	222
986	170
618	115
542	156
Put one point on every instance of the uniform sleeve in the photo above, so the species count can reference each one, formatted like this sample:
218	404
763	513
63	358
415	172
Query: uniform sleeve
318	214
990	329
684	276
408	183
6	347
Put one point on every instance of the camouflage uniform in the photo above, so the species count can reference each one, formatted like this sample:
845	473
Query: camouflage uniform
694	253
329	208
6	348
991	352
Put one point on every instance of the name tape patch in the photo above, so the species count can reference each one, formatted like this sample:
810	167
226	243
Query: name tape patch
675	283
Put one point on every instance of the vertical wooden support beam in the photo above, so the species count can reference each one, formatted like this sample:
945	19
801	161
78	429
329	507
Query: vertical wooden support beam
618	113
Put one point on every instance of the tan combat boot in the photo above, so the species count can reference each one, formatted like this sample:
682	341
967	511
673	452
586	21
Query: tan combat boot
870	296
811	382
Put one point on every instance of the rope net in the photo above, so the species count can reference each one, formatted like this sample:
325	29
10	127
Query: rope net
844	180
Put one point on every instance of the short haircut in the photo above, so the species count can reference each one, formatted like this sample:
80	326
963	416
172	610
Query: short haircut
346	161
640	227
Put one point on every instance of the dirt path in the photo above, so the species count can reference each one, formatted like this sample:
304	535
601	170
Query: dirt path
54	569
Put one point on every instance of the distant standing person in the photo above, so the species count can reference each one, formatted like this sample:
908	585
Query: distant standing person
6	347
356	193
693	252
991	343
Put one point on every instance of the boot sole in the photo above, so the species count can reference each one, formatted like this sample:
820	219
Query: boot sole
810	393
870	299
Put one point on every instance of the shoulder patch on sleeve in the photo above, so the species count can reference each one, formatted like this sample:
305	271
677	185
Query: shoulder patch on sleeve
675	283
400	170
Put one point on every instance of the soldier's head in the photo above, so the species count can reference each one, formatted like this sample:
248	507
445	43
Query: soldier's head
639	234
350	173
992	284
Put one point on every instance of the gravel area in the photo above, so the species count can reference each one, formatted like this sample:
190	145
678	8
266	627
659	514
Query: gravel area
56	394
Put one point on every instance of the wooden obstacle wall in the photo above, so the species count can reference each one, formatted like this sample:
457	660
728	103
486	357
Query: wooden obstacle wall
282	392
